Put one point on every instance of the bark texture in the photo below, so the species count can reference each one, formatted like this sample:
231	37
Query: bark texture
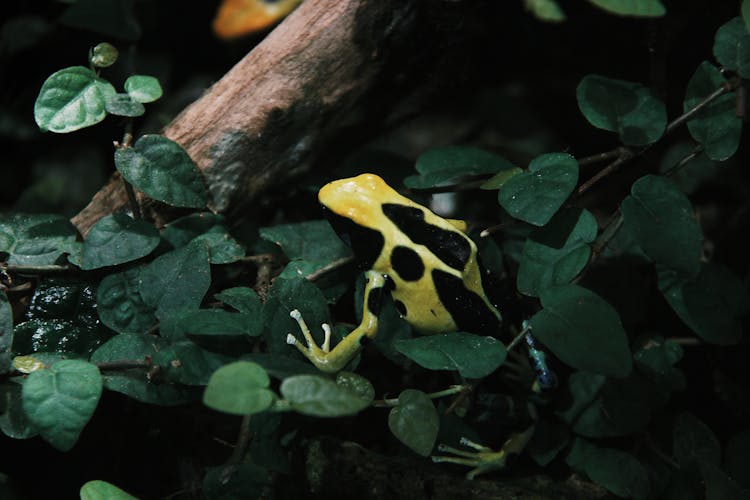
272	114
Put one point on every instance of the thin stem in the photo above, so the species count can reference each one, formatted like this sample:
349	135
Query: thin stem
687	115
625	155
243	440
607	155
329	267
518	338
684	161
454	389
127	141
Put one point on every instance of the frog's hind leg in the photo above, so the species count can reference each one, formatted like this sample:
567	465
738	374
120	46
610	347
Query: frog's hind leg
333	360
484	459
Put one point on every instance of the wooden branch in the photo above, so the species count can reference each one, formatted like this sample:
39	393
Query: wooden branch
270	116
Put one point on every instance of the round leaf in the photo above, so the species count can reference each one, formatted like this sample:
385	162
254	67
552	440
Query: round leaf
617	471
555	254
102	490
637	8
176	281
661	220
628	108
117	238
321	397
712	303
474	356
242	298
443	166
71	99
534	196
123	105
59	401
163	170
217	322
732	47
239	388
717	126
142	88
414	421
209	228
120	304
357	384
103	55
694	440
583	330
35	240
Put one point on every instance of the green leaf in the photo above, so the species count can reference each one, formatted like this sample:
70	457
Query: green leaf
661	220
534	196
712	303
60	400
186	363
414	421
737	458
239	388
474	356
628	108
123	105
217	322
637	8
103	55
693	440
163	170
280	366
6	332
176	281
62	317
120	304
242	298
583	330
284	296
142	88
717	126
445	166
321	397
746	13
35	240
621	406
136	383
314	243
545	10
71	99
655	359
209	228
556	253
357	384
732	47
116	239
13	420
615	470
102	490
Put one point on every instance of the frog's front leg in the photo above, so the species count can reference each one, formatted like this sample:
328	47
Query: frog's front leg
484	459
333	360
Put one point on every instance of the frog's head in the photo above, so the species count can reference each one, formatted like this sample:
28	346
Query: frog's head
358	199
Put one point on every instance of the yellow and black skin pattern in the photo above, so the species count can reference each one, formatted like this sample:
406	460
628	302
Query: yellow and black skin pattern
427	263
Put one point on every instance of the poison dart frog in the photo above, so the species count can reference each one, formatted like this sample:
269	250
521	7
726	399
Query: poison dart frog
431	269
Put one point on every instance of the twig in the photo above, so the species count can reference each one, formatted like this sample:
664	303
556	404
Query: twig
454	389
684	161
607	155
329	267
49	269
727	87
243	440
625	155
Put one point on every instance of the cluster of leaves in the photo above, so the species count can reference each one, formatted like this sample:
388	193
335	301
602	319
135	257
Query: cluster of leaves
144	319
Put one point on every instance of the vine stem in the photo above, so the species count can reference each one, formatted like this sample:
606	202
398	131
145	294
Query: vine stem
127	141
49	269
454	389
